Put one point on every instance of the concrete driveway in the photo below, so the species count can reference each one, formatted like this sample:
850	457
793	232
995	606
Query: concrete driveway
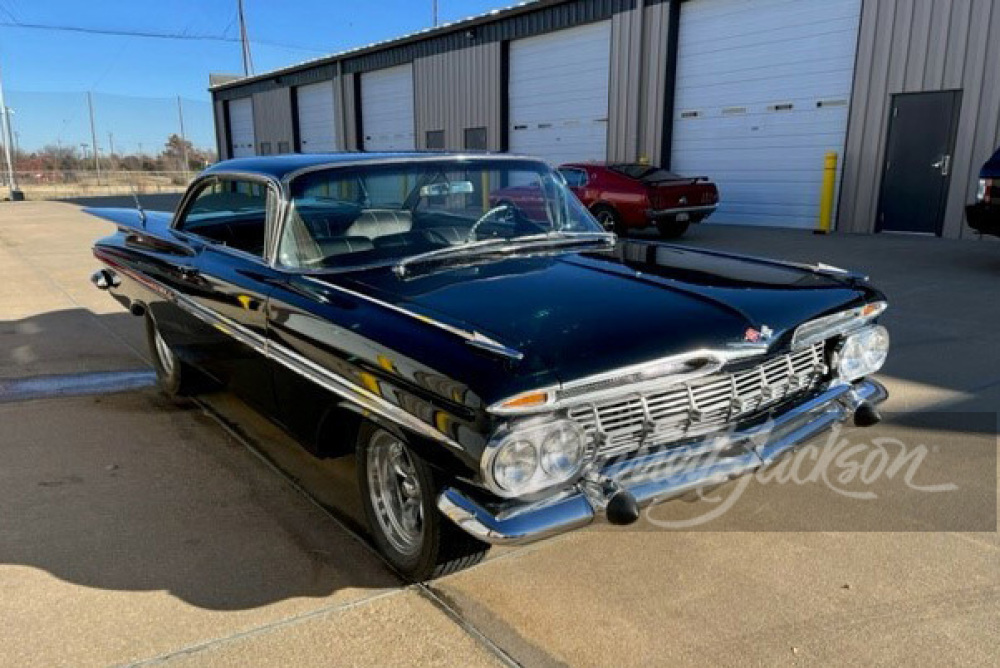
134	531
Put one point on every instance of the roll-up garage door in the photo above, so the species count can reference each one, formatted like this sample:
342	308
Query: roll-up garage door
241	127
763	92
317	121
559	94
387	109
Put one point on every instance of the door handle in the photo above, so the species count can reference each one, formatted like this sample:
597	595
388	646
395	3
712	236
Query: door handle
944	164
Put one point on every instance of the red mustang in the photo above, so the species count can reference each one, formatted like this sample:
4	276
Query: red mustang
632	196
625	197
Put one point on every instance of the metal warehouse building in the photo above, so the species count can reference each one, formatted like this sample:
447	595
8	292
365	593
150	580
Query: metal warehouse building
752	93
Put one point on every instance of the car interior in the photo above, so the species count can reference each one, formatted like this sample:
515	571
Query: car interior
367	218
438	210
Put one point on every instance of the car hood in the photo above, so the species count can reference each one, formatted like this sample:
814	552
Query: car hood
577	314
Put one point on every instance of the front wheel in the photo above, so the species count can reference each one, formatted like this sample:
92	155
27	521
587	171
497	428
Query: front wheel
398	491
672	229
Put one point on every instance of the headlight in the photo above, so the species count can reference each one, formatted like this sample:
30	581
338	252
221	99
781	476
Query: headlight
530	459
515	464
863	353
561	452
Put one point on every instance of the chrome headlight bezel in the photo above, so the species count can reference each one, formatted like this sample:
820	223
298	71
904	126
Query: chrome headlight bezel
836	324
539	434
861	353
981	190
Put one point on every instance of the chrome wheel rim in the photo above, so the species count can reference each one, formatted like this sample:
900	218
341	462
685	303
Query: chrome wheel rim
606	220
395	493
164	353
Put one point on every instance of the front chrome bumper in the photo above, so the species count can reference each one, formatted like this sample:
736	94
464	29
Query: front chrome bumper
660	476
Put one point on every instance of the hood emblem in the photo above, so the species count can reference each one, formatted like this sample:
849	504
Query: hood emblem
762	335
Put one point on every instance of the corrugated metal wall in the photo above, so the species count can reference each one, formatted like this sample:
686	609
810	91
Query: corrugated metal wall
638	75
272	118
916	46
458	90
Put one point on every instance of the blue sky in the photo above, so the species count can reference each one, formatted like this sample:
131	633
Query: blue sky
136	80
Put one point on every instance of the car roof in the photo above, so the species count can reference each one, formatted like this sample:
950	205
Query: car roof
280	166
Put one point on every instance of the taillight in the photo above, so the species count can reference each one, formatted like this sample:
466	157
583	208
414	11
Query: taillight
985	191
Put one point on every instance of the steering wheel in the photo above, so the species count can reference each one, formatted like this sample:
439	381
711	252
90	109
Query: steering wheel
503	206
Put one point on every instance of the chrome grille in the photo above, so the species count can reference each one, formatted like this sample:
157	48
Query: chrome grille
700	406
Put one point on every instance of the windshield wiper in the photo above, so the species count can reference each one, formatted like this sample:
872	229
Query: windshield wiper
502	245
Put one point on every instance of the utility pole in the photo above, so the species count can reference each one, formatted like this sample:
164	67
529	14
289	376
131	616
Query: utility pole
434	11
15	194
244	40
111	151
93	137
184	144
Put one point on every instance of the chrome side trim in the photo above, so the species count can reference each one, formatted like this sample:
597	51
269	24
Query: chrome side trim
292	360
836	324
473	338
660	476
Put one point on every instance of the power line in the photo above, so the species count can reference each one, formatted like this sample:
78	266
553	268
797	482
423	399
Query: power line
148	34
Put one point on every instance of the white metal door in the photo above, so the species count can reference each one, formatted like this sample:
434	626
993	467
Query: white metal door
317	121
559	94
763	92
241	127
387	109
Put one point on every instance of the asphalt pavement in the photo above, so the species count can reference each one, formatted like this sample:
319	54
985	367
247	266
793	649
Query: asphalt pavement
134	530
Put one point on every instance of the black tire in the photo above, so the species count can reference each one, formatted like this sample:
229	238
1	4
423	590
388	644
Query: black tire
177	379
609	219
429	547
672	229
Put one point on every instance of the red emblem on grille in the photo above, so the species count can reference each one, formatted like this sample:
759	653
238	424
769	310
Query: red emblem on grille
762	335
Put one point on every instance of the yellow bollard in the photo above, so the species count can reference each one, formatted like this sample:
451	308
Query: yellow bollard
826	197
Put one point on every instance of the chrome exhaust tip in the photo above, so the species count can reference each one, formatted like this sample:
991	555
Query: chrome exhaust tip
104	279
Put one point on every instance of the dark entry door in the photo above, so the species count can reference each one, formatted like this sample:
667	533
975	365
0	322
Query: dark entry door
918	161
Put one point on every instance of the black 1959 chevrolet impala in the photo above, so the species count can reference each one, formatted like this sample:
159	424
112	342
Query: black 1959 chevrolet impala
503	375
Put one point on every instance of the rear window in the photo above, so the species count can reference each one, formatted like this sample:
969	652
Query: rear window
647	173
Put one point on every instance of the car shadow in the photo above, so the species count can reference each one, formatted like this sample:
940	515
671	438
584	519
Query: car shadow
132	492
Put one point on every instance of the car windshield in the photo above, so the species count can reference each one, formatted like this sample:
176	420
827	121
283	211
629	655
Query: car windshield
361	215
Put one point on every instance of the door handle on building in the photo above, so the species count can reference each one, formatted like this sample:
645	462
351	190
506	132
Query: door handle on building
944	164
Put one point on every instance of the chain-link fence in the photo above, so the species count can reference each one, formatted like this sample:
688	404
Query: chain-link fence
67	144
56	184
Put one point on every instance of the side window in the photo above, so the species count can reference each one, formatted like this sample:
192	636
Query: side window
435	140
575	178
475	139
229	212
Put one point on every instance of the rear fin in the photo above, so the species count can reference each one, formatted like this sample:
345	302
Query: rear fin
132	219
